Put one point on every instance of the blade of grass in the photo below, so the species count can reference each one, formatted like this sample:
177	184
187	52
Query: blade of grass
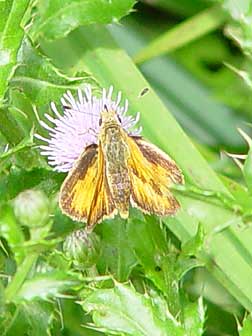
183	33
225	252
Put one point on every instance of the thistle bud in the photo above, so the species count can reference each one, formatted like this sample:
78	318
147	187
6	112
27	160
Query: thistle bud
83	248
31	207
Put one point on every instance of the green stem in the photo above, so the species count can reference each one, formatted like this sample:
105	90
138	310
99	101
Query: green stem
20	276
183	33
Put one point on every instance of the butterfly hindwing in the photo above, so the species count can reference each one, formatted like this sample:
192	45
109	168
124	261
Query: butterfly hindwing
85	195
151	173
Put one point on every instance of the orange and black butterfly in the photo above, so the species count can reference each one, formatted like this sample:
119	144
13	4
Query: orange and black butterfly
120	171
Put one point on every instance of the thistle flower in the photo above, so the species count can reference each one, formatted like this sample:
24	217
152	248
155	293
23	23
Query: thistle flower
78	126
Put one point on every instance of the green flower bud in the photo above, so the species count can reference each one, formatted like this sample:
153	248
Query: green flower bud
83	248
31	208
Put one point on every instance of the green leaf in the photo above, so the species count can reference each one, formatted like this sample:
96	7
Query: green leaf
123	311
39	316
2	304
194	245
56	18
10	40
20	179
5	8
194	317
247	170
46	285
237	8
240	29
246	329
11	13
40	80
117	256
12	232
191	248
27	142
31	319
148	241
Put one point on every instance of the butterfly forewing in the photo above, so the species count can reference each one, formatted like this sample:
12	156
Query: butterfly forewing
151	173
84	194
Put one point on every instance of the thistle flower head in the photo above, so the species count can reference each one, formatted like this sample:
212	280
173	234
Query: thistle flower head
78	126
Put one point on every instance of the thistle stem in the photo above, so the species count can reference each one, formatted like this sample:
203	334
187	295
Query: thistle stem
20	276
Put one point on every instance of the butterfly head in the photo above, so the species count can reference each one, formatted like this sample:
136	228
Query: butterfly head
109	117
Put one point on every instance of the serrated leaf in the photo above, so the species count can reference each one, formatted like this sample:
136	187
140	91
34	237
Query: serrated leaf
117	256
123	311
194	245
46	285
56	18
39	79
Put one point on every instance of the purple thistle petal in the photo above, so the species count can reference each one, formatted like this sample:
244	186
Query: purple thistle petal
78	126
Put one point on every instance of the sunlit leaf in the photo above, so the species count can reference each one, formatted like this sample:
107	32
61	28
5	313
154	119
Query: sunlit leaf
47	285
123	311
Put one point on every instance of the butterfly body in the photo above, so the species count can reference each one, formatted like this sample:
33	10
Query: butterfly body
119	171
116	153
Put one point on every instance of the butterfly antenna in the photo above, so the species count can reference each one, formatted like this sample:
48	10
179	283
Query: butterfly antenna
105	107
66	107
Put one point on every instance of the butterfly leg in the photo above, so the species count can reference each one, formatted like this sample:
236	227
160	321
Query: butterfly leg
90	131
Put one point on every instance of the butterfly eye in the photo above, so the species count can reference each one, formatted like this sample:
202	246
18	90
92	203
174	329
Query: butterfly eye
100	121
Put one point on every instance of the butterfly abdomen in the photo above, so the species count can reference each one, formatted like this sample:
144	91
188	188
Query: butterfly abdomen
116	154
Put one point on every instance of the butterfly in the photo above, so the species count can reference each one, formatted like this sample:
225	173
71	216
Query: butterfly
121	170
